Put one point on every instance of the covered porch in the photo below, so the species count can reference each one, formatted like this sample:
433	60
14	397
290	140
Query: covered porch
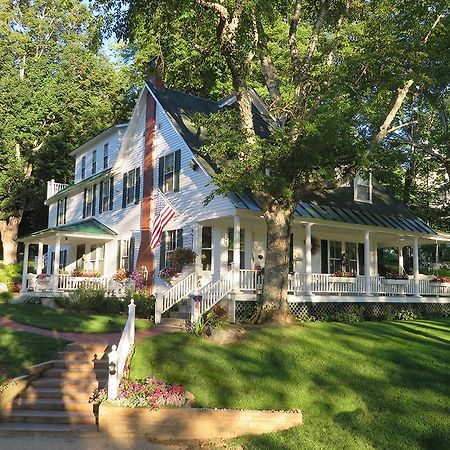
75	257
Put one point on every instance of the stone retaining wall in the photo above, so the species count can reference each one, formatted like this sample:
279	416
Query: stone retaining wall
191	423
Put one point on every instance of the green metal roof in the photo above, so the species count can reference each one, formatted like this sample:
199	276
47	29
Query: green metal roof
89	226
80	184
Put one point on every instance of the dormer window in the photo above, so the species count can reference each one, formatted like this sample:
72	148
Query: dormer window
362	190
94	162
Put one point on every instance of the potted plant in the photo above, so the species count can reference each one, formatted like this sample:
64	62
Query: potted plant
396	279
168	274
181	258
440	281
341	276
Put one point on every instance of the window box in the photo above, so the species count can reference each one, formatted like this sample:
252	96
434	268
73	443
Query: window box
396	282
334	279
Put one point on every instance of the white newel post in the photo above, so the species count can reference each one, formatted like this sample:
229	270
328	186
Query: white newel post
56	264
236	251
308	259
132	319
416	266
158	307
367	262
401	265
113	377
40	260
25	267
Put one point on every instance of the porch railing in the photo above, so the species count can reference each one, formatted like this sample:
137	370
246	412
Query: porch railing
53	187
70	283
252	280
214	292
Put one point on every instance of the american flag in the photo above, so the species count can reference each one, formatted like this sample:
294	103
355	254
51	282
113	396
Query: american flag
164	213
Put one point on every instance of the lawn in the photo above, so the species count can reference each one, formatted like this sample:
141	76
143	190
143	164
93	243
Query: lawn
19	350
64	320
383	385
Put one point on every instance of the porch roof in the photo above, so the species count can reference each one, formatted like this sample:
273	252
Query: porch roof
90	227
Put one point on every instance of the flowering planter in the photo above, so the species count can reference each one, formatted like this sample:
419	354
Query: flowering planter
438	284
190	423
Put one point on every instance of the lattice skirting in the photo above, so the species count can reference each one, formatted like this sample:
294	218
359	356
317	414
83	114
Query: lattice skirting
370	311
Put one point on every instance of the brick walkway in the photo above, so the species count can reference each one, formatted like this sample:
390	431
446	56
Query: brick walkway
93	338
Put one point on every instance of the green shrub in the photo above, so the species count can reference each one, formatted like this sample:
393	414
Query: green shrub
10	274
5	296
145	305
405	314
32	301
349	317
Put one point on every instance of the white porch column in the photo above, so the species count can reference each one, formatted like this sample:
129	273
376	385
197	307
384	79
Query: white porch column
236	250
416	266
367	271
197	248
401	265
40	261
25	267
56	264
308	260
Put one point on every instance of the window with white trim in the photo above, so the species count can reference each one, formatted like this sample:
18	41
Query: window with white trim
94	162
343	256
131	187
207	248
335	256
61	211
106	156
362	190
83	167
241	247
169	167
89	199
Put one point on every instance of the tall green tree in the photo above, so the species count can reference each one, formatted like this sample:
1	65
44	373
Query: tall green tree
56	89
336	76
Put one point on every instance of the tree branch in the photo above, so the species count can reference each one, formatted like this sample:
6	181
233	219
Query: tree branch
213	6
295	59
402	125
435	24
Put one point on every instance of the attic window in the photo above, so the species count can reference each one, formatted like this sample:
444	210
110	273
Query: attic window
362	190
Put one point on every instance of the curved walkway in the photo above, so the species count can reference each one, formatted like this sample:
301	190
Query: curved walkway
92	338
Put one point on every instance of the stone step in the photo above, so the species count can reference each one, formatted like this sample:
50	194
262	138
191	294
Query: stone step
51	404
85	385
180	315
84	374
175	323
47	428
184	309
80	365
51	417
36	392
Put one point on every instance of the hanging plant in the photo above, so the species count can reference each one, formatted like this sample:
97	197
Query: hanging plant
181	257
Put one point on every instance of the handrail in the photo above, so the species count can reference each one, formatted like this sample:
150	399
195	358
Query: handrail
213	293
119	354
179	291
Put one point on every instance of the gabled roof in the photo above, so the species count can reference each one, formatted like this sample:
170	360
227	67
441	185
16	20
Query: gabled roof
80	184
102	135
88	226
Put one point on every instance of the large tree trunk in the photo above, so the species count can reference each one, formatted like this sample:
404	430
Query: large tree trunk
9	230
275	306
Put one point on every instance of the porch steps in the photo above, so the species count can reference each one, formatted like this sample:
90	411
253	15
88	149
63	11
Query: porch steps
173	323
58	400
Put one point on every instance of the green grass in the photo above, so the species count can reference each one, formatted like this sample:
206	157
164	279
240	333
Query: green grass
19	350
371	385
64	320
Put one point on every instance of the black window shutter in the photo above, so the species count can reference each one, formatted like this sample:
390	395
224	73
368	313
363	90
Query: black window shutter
57	213
124	191
100	203
131	254
162	251
65	208
180	238
361	258
176	183
291	253
84	203
111	193
324	256
119	243
94	199
137	191
161	172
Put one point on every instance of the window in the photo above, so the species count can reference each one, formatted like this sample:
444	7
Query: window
362	189
62	261
105	155
170	240
61	207
207	248
125	254
335	256
169	172
89	201
101	259
231	247
80	256
131	187
94	162
83	167
93	256
106	195
350	262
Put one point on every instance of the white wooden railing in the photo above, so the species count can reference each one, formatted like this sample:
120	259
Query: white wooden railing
53	187
212	293
119	354
174	295
70	283
252	280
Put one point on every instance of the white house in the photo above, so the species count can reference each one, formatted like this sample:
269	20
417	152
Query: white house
103	220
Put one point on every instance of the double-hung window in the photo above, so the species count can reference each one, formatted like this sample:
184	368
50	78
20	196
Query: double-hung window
363	188
207	248
106	195
131	187
83	167
170	240
343	257
94	162
125	254
169	172
241	247
61	208
105	156
335	256
89	201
